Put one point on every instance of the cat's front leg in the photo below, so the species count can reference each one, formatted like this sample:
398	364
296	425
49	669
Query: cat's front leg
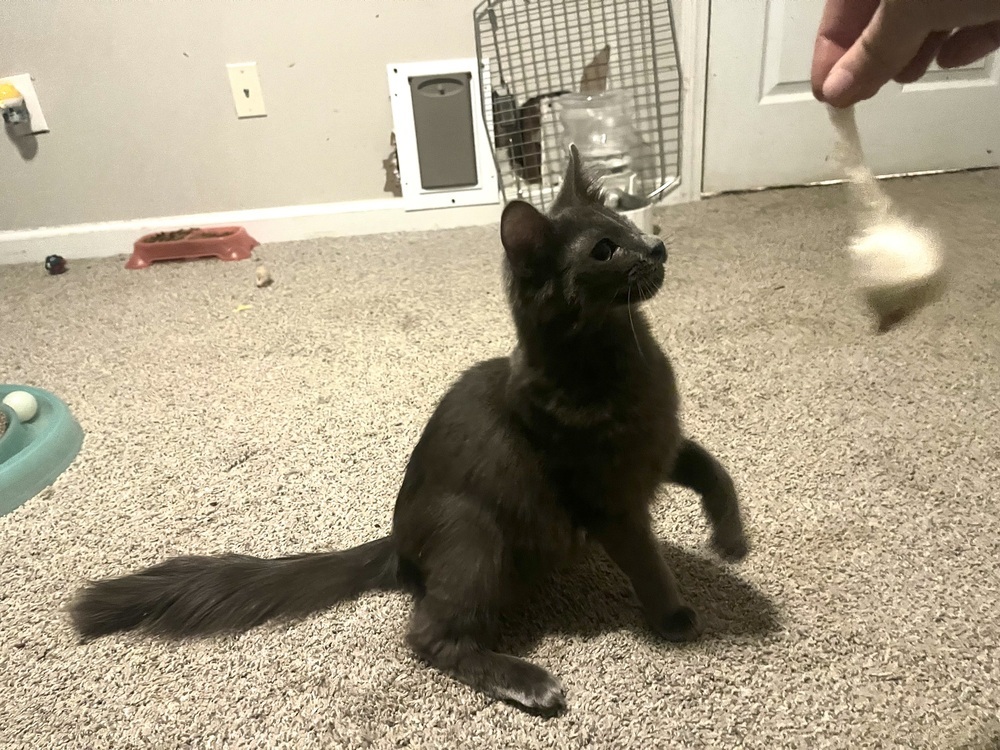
630	543
698	470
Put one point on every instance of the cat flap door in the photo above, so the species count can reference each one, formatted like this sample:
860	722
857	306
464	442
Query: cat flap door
442	119
442	140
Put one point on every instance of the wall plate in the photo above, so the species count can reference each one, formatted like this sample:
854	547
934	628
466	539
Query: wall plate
415	196
247	93
26	86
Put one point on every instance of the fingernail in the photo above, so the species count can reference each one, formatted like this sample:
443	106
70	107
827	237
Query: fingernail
838	83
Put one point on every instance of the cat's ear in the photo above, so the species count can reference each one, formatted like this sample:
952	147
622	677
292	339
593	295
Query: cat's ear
575	185
524	233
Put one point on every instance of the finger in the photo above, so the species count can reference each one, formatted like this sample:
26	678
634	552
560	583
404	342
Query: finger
968	45
916	68
884	49
841	25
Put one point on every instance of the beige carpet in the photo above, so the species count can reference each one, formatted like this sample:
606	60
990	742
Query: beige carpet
867	616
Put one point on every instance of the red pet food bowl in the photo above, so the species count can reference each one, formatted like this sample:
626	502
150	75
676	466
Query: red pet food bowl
224	243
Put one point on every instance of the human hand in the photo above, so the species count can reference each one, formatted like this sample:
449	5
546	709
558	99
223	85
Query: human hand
863	44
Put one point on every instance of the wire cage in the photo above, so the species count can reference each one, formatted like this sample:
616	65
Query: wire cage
539	56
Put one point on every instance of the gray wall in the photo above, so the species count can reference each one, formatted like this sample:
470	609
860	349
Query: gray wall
138	101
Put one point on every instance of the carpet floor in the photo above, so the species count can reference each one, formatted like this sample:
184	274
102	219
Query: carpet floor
222	417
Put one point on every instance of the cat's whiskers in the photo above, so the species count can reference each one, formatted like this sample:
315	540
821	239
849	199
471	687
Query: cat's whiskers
628	304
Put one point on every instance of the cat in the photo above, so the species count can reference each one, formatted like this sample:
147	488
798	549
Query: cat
567	439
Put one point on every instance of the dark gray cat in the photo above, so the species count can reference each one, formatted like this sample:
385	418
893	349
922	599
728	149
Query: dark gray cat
525	456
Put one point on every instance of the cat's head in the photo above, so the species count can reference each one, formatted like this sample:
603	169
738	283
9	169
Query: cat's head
580	253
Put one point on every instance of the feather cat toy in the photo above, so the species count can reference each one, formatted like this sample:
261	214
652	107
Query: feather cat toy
898	266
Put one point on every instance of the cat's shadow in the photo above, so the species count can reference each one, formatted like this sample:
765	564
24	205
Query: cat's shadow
593	597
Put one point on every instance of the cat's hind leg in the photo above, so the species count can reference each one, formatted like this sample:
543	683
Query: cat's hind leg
456	615
698	470
459	645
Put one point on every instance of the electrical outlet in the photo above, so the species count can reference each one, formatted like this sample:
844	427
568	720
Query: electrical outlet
247	94
37	123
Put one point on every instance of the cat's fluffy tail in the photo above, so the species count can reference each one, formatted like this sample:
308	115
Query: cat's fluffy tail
196	595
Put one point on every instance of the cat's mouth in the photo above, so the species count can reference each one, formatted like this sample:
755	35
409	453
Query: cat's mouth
641	286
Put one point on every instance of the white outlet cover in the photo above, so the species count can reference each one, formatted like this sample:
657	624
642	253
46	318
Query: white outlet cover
247	94
26	86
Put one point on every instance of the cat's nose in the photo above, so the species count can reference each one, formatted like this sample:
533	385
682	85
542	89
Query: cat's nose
658	252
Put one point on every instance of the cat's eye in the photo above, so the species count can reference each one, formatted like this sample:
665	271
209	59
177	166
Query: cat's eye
603	250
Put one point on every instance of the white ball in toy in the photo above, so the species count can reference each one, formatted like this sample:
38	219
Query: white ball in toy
23	403
895	253
899	269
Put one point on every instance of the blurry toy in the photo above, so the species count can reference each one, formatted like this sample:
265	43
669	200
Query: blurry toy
263	277
898	265
55	264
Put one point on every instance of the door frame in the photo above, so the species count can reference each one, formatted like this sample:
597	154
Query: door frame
692	19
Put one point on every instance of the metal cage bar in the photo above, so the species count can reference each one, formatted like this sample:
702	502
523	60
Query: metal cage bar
536	50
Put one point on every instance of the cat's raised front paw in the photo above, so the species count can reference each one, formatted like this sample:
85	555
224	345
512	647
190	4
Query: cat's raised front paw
683	624
731	545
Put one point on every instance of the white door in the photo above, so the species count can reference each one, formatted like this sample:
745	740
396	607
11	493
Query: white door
763	128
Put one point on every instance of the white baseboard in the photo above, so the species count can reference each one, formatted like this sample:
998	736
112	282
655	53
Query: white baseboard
266	225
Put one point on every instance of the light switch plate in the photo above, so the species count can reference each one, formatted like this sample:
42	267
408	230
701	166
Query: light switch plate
247	94
26	86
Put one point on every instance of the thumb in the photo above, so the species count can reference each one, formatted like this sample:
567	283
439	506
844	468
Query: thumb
884	49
